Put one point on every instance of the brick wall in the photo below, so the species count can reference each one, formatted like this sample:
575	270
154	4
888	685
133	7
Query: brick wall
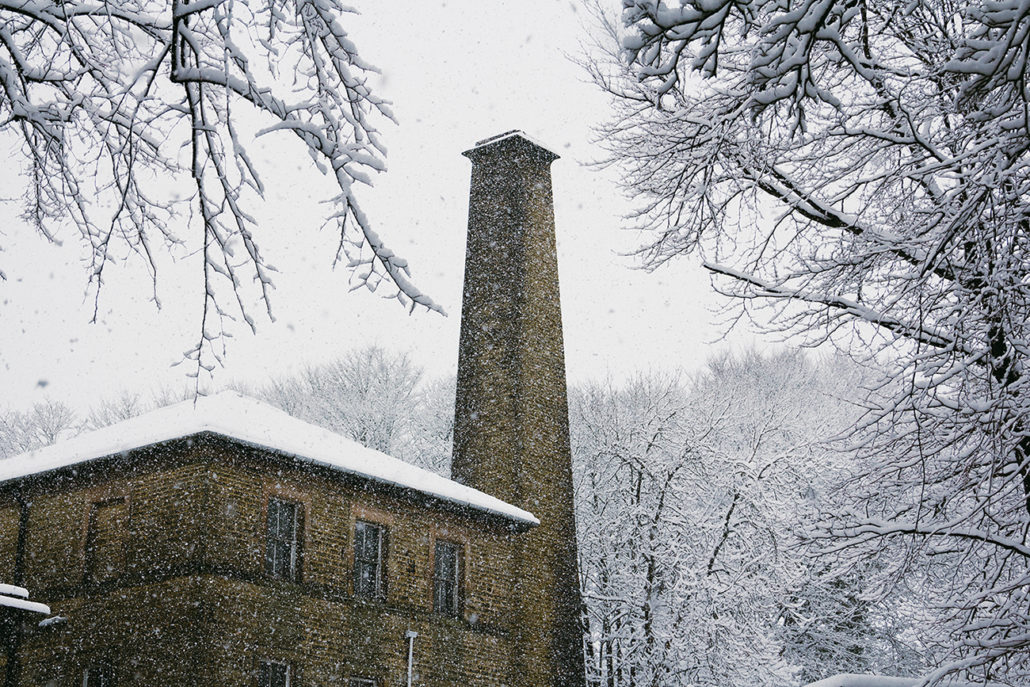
192	603
511	428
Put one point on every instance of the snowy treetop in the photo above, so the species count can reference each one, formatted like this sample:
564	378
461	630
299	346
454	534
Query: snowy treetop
248	421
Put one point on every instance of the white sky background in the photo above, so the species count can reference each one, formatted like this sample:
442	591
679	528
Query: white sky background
456	72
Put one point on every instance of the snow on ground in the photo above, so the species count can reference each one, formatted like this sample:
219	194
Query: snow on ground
853	680
252	422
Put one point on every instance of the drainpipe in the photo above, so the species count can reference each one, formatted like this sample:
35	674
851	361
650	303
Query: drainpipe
13	621
410	636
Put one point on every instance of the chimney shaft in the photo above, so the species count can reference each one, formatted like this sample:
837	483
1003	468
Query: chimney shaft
511	426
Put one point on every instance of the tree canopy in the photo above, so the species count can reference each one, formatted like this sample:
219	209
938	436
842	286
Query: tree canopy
861	171
691	496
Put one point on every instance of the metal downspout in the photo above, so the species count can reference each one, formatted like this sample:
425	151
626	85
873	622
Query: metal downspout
13	622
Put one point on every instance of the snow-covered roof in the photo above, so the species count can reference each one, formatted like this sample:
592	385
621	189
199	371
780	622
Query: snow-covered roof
514	133
18	597
258	424
23	605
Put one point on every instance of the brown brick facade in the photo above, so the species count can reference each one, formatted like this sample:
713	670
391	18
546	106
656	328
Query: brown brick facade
511	424
192	604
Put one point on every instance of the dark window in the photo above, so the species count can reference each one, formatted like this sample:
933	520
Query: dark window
361	682
274	674
99	675
369	543
446	578
105	539
284	526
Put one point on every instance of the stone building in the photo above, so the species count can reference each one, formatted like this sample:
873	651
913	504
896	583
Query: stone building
225	543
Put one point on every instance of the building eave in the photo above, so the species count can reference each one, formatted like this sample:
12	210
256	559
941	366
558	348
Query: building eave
251	423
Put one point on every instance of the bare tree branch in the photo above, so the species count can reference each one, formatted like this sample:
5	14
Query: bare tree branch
103	96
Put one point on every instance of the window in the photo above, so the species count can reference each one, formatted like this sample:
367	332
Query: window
274	674
446	578
105	540
282	559
361	682
99	675
369	542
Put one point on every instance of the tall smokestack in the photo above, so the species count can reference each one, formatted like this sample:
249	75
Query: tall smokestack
511	424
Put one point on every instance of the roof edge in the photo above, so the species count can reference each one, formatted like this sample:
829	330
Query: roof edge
514	139
253	423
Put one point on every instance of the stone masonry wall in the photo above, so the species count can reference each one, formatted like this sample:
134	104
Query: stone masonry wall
192	604
511	424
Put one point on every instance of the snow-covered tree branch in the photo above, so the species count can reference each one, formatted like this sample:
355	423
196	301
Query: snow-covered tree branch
862	170
690	498
112	100
379	399
41	425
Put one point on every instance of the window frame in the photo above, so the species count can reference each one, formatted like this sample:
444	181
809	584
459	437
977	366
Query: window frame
294	543
378	593
454	610
103	675
264	670
89	545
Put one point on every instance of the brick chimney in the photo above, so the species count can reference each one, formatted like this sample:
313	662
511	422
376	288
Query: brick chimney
511	424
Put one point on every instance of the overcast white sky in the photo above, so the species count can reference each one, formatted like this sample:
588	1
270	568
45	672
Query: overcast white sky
456	71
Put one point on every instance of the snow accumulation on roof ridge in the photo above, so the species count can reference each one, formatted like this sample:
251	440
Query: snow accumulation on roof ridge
253	422
514	133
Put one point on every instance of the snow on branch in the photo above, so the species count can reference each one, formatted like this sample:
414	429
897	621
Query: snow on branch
859	173
104	95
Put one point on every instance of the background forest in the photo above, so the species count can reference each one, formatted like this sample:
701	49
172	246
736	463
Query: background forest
698	503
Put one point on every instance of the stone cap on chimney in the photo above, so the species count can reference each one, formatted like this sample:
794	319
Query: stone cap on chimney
514	140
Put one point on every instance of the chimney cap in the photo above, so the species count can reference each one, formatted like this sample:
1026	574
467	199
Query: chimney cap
514	138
